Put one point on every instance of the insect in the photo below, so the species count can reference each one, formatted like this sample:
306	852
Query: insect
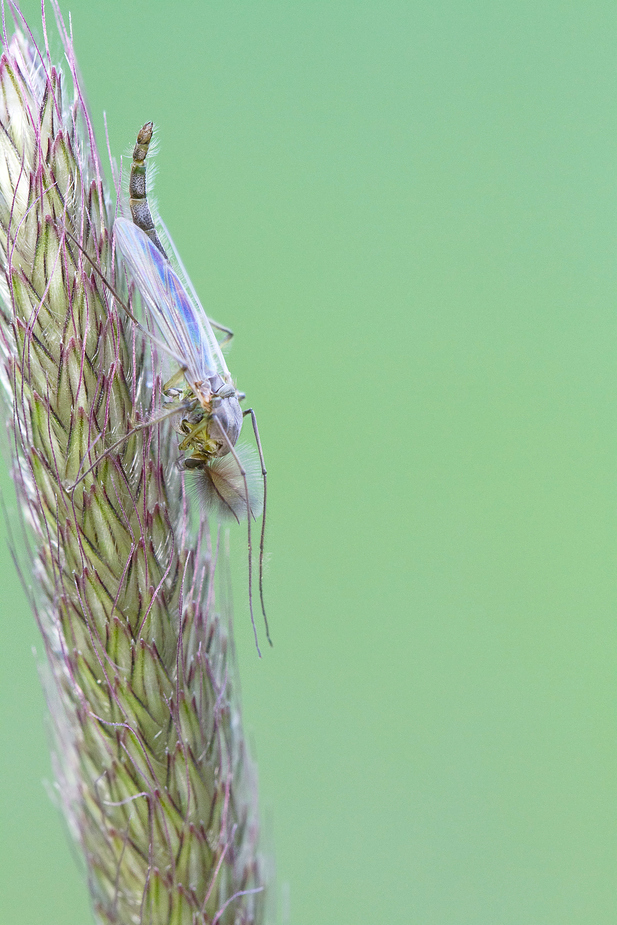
202	392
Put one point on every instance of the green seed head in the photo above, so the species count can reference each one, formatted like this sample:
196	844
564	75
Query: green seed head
154	775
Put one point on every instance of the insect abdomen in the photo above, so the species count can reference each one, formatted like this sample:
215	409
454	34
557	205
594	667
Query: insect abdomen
138	196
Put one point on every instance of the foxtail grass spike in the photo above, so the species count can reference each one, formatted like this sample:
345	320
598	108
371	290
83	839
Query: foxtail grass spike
154	775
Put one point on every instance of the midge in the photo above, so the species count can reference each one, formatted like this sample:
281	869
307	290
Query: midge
202	392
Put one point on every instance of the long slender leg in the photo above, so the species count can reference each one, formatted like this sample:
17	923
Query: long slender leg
221	327
143	426
195	430
215	324
263	519
151	337
177	377
248	522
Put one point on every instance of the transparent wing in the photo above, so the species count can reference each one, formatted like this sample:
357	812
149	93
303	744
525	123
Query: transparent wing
179	317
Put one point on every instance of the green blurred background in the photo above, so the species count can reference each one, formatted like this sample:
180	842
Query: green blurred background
407	212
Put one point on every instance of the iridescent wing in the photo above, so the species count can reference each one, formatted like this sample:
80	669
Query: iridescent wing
181	320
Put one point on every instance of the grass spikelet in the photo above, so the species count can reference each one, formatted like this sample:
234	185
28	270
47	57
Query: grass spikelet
154	776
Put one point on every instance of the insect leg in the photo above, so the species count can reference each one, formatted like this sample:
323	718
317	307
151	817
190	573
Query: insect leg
215	324
221	327
248	524
263	519
151	337
120	441
101	275
175	379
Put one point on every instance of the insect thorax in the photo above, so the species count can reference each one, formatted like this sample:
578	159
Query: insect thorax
212	423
